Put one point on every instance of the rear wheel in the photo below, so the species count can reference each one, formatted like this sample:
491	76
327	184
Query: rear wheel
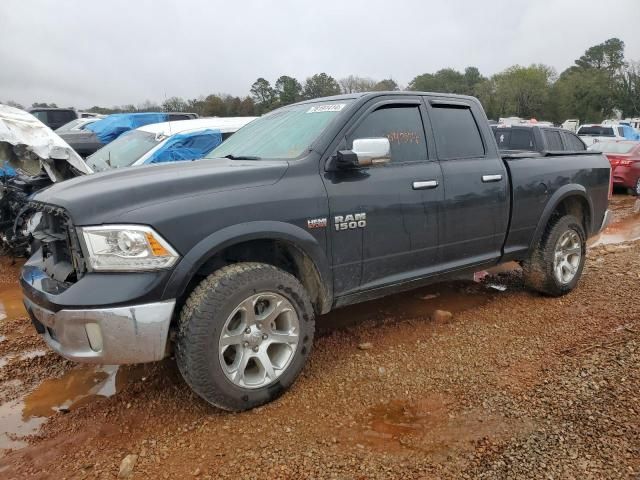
244	335
555	266
636	189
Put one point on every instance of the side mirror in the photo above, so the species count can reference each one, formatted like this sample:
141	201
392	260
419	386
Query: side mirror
366	152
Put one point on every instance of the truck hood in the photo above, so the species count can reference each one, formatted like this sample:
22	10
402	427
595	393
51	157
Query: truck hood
30	145
103	197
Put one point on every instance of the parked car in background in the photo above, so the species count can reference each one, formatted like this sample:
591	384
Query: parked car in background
32	157
77	124
594	133
98	134
624	156
536	138
54	117
166	142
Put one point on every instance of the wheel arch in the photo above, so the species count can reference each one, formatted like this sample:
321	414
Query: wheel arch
277	243
568	200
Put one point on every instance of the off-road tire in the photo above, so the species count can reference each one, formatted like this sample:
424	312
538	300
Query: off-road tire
201	321
538	268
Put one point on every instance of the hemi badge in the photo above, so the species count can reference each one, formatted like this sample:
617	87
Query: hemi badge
317	223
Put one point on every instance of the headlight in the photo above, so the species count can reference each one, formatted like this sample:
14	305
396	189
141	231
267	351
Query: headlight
122	248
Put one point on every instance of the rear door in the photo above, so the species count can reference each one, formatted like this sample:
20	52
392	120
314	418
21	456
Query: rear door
475	211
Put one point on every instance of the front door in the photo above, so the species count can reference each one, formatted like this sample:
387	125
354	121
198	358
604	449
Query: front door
389	213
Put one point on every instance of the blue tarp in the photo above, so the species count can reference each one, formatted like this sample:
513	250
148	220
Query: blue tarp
7	170
186	146
111	127
630	132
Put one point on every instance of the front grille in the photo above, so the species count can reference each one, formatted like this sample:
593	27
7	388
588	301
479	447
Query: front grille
54	233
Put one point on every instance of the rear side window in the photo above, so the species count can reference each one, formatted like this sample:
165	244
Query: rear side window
503	138
61	116
521	139
596	131
456	133
402	125
573	143
554	141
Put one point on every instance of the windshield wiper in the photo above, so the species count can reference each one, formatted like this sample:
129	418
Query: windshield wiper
241	157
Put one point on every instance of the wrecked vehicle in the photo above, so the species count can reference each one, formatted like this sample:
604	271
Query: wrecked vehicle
166	142
313	206
32	157
98	134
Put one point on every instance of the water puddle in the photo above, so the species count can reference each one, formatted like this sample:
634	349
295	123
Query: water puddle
625	230
77	387
15	426
11	305
428	425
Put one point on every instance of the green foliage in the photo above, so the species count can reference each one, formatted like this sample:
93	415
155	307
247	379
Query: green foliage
320	85
174	104
288	90
387	85
524	91
263	94
448	80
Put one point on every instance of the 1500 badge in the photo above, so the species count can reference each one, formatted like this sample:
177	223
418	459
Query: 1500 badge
351	221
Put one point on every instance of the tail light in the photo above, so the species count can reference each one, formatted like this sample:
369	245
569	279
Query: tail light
610	183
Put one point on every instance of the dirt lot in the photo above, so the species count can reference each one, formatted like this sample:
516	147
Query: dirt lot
514	385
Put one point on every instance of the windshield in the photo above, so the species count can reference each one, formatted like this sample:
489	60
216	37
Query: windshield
123	151
596	131
72	124
613	147
285	133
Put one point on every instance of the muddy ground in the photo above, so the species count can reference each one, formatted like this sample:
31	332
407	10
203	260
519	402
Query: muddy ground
514	385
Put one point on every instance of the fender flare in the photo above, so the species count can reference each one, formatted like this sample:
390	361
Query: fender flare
564	192
259	230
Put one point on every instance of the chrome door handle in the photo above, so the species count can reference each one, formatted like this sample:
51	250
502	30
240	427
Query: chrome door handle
425	184
491	178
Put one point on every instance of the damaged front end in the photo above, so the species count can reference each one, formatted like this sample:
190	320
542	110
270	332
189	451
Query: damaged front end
32	157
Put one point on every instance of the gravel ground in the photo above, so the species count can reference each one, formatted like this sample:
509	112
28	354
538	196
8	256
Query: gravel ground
512	385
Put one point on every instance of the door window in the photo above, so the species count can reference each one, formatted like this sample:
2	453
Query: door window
402	125
456	132
573	142
554	142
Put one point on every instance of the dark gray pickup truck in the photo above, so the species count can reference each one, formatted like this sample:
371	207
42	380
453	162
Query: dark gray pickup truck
313	206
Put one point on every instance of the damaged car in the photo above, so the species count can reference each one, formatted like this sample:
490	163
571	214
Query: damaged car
32	157
100	133
166	142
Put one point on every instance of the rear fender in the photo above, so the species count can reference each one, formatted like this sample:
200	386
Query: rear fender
564	192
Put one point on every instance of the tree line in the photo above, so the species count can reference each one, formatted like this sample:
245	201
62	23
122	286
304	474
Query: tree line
600	84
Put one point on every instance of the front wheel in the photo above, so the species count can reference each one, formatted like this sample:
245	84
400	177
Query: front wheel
244	335
555	266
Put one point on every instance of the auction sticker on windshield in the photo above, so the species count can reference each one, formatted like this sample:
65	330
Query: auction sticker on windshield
334	107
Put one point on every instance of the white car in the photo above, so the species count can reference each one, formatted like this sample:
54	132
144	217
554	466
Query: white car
594	133
77	124
166	142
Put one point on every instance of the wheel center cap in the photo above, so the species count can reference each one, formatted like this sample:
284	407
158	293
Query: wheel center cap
254	339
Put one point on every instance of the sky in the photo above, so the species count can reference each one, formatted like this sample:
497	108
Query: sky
82	53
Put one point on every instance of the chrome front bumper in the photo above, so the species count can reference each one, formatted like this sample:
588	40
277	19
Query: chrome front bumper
112	336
